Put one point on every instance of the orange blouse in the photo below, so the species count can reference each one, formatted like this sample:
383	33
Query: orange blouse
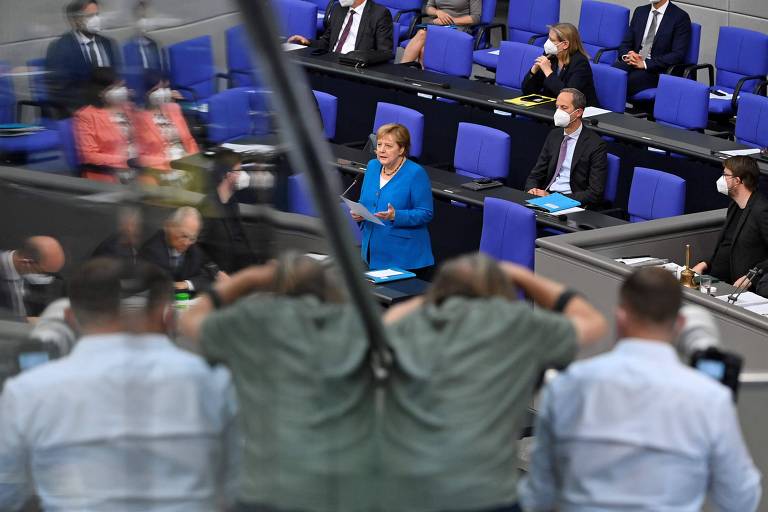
151	145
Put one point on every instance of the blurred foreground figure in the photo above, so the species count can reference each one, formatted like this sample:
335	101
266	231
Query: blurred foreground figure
124	243
127	421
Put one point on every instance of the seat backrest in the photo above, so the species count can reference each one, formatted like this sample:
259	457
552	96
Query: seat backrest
7	95
37	87
752	121
488	12
509	232
602	25
191	66
68	144
681	103
329	107
297	17
240	66
448	51
740	53
610	86
229	115
655	195
411	119
527	18
612	179
515	60
481	151
692	57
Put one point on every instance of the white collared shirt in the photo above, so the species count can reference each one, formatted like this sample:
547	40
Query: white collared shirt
563	182
349	44
14	282
83	40
661	12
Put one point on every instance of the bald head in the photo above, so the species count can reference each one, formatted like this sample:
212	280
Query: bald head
40	254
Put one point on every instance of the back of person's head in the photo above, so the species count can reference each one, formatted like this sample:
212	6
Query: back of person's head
745	169
471	276
568	32
298	275
94	294
146	293
399	134
649	301
101	79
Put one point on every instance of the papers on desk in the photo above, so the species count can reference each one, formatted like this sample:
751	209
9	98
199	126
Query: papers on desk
594	111
494	52
740	152
642	261
726	96
747	299
388	274
289	47
575	209
529	100
760	309
248	148
362	211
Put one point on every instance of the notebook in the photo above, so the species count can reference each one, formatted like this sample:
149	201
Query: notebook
553	202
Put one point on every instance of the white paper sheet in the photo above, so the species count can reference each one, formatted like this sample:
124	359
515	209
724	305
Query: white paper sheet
746	299
727	97
248	148
494	52
635	261
383	274
362	211
289	47
760	309
741	152
594	111
570	210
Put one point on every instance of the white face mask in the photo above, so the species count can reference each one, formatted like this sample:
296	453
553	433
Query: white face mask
550	47
243	180
722	186
562	118
116	95
38	279
93	24
346	3
160	96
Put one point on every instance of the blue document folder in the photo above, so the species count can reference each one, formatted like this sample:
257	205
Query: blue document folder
388	274
554	202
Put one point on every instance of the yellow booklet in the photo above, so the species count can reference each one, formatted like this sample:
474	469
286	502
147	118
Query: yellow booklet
529	100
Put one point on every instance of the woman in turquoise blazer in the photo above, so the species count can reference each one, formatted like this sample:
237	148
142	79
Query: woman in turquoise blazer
398	192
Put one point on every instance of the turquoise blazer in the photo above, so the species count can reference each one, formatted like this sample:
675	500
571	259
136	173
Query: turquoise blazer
402	243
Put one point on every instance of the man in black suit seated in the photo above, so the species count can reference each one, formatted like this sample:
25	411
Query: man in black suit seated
355	25
174	249
743	241
658	37
124	243
71	58
573	160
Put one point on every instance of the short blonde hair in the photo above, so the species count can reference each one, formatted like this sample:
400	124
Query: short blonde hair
398	132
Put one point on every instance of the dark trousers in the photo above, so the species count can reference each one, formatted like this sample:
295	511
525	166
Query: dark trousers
637	79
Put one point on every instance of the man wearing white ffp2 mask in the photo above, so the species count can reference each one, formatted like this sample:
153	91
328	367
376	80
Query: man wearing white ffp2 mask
573	160
359	25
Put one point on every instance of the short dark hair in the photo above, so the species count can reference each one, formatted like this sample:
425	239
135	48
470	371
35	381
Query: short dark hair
75	7
101	79
579	100
744	168
473	276
652	295
223	162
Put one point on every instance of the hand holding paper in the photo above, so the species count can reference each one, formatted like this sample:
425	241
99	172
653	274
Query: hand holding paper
362	211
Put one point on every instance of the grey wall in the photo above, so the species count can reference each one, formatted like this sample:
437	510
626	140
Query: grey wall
710	14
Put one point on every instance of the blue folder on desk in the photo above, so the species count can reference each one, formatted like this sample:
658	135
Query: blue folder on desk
554	202
387	275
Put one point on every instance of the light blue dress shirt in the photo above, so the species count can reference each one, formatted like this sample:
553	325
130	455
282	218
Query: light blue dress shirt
636	430
124	423
563	182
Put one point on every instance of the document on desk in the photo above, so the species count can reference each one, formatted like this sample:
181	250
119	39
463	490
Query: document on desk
746	299
494	52
388	274
289	47
725	96
760	309
248	148
362	211
740	152
594	111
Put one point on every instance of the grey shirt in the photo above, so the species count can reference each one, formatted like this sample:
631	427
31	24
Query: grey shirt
456	8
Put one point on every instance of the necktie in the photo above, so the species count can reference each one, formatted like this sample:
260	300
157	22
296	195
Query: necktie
143	52
645	50
345	32
175	261
92	53
560	160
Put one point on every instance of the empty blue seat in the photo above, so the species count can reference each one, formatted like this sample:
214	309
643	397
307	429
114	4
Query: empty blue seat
236	113
612	179
509	232
297	17
191	67
240	67
403	13
482	152
515	60
602	26
655	195
411	119
610	86
681	103
448	51
323	8
329	106
752	121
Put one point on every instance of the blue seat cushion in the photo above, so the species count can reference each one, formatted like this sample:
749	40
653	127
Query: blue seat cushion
718	106
645	95
485	58
45	140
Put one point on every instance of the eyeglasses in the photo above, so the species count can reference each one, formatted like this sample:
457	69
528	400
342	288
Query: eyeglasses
727	175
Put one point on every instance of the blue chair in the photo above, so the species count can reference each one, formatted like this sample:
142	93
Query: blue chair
527	22
38	91
300	202
232	114
482	37
448	51
515	60
681	103
329	107
192	72
655	195
602	26
297	17
137	61
691	59
610	86
752	121
404	15
68	145
240	67
411	119
482	152
323	10
509	232
741	61
612	179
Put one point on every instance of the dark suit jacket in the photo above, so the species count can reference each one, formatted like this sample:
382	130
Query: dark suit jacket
155	250
111	247
577	74
588	166
750	241
375	32
217	238
69	70
670	45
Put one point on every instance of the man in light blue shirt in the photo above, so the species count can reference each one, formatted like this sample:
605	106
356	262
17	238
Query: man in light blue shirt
637	430
127	421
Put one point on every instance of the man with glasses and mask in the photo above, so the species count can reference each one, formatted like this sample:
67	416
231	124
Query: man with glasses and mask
31	266
71	58
743	241
573	160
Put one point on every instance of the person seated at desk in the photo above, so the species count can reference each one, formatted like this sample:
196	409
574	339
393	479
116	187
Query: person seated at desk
657	38
565	63
124	243
400	193
573	160
743	241
461	14
354	25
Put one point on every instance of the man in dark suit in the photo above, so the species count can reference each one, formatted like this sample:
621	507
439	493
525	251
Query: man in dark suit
573	160
174	249
124	243
71	59
658	37
355	25
28	281
743	241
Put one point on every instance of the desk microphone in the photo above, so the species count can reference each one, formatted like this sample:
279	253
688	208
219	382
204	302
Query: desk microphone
357	178
593	121
751	276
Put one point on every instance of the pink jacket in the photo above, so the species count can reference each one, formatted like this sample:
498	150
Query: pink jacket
150	143
100	141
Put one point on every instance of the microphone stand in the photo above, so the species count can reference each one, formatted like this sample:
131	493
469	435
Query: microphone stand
752	275
357	178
